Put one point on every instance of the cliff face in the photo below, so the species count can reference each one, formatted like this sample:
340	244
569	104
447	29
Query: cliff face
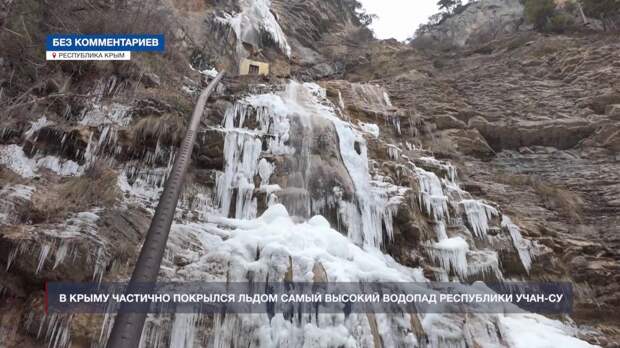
531	124
479	21
395	164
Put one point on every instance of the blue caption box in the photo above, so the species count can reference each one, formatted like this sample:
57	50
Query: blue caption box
106	42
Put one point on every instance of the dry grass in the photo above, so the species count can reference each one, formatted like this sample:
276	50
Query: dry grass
167	129
28	75
97	188
566	202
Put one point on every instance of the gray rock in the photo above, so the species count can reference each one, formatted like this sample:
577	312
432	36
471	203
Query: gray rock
482	20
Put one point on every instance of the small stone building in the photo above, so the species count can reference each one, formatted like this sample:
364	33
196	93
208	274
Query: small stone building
252	67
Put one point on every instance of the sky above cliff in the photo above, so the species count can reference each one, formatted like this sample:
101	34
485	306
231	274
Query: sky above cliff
399	18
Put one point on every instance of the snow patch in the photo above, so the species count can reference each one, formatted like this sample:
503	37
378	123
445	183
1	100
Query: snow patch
13	157
370	128
536	331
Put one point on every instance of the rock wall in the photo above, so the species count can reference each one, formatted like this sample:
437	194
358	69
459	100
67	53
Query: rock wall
530	123
481	21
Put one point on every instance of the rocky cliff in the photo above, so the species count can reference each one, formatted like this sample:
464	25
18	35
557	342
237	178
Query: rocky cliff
357	160
478	21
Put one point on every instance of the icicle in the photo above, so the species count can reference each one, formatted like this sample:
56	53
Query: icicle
478	216
99	265
183	330
443	332
13	254
54	328
387	100
432	198
523	246
394	152
265	169
36	126
440	230
485	263
241	153
365	223
45	249
451	254
254	19
10	197
448	168
60	254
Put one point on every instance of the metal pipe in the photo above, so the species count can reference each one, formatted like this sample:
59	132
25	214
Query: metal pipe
128	327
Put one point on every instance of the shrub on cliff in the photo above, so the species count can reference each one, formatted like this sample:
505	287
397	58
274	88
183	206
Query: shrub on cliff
538	12
560	22
546	17
601	8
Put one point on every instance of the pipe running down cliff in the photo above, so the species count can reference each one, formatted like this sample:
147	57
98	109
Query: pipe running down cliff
128	326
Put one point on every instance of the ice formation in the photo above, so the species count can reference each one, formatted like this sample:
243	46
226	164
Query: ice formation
365	223
54	328
365	218
272	245
241	153
432	197
104	114
478	215
278	243
13	157
10	197
374	209
484	264
370	128
522	245
373	95
531	330
451	254
61	241
282	243
255	19
446	167
243	148
36	126
265	169
393	152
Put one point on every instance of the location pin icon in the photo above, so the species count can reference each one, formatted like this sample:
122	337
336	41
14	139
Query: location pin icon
54	55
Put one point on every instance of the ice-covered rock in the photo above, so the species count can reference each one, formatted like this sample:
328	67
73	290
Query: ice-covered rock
451	254
13	157
478	216
254	21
